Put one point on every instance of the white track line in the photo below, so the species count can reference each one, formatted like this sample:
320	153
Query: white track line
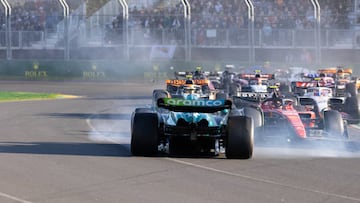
263	180
13	198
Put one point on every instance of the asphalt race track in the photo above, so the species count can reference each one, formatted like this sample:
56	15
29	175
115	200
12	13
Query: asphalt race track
77	150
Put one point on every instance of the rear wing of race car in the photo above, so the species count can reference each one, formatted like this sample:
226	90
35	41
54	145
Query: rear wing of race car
199	106
251	76
335	71
252	96
313	75
182	74
304	85
179	82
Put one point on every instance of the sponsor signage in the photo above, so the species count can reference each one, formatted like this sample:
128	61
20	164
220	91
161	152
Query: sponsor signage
93	74
202	103
35	73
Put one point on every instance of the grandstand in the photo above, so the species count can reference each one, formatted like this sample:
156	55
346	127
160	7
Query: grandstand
290	24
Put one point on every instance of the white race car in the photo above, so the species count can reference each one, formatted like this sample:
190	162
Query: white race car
320	95
319	99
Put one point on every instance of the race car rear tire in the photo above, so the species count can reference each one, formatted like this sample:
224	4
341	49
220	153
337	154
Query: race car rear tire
221	95
333	123
234	89
139	110
144	134
352	108
143	110
351	89
159	93
240	137
256	115
258	119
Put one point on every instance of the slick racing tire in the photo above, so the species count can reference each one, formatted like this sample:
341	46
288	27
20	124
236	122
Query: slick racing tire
234	89
351	89
352	108
143	110
256	115
221	95
227	87
240	137
258	120
144	134
333	123
139	110
157	94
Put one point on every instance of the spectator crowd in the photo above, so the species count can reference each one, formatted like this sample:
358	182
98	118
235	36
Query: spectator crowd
219	15
231	15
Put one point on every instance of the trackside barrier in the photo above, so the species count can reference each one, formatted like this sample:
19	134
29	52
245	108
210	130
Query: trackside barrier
122	71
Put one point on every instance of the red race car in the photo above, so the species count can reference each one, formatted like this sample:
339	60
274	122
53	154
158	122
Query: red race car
281	119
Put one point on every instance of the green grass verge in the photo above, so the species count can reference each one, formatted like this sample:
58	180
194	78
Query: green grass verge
15	96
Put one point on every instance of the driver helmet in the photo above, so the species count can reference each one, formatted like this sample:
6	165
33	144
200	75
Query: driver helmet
198	73
189	79
309	107
188	76
277	103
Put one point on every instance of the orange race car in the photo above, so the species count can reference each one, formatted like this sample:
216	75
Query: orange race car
342	77
172	85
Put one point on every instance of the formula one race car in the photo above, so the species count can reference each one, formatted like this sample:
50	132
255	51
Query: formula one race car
284	120
341	77
173	86
340	84
299	88
203	126
296	123
227	81
322	98
257	82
